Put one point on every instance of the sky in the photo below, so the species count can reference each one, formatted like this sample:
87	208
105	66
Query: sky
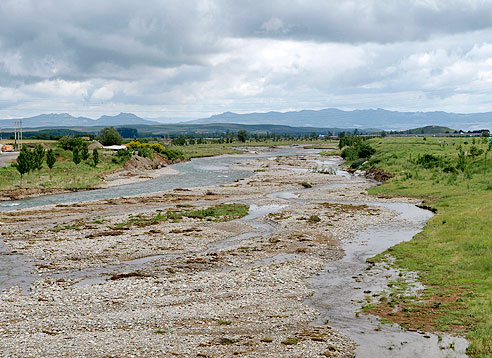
191	59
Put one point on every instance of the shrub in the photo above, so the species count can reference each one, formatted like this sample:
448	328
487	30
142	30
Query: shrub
146	152
350	153
157	147
172	154
475	152
365	150
356	151
357	163
429	161
133	145
123	155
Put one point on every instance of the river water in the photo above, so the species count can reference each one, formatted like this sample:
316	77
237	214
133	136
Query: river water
339	288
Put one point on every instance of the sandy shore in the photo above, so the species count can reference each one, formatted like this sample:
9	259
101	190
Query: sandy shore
114	282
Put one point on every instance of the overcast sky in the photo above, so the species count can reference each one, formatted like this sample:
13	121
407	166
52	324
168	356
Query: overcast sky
191	59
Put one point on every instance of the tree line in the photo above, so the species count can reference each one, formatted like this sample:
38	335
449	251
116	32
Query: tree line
30	160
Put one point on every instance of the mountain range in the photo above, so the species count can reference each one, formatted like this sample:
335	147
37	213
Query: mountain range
67	120
367	118
325	118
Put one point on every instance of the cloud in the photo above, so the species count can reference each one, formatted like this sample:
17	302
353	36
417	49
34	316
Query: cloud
200	57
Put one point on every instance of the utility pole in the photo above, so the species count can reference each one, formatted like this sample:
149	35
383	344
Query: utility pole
15	135
20	125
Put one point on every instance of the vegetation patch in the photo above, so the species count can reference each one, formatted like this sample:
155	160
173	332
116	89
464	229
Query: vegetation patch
221	212
291	341
453	254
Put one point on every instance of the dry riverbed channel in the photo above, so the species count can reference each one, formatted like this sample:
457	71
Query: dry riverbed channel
182	273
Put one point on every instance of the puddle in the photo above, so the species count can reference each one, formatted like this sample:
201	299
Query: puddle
256	211
278	259
340	287
287	195
260	228
15	269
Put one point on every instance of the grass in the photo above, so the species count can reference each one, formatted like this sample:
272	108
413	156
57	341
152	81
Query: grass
453	253
291	341
64	175
222	322
221	212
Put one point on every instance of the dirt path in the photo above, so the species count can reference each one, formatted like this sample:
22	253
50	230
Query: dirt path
119	278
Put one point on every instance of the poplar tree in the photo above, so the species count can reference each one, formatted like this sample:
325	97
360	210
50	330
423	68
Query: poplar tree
95	156
76	155
50	159
24	163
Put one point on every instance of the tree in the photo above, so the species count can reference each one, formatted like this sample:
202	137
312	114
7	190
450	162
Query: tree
50	158
110	136
68	143
95	156
23	163
76	155
128	132
38	157
242	135
84	152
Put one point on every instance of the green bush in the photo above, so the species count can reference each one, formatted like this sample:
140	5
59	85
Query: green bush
350	153
359	150
357	163
172	154
429	161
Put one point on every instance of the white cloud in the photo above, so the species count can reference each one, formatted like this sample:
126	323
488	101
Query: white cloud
207	56
102	94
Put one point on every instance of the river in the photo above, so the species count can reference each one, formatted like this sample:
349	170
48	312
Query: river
339	288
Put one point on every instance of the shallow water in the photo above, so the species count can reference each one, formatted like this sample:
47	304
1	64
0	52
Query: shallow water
352	282
194	173
15	269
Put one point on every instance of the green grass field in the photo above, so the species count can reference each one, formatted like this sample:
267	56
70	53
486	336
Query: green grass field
453	254
65	174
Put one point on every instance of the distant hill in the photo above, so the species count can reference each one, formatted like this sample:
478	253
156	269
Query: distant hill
428	130
368	118
67	120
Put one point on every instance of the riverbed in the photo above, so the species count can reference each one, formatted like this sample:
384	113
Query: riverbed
285	280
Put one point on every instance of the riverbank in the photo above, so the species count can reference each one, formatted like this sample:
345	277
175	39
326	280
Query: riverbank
135	276
452	254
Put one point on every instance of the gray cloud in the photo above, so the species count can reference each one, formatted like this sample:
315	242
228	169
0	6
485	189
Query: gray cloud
206	56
